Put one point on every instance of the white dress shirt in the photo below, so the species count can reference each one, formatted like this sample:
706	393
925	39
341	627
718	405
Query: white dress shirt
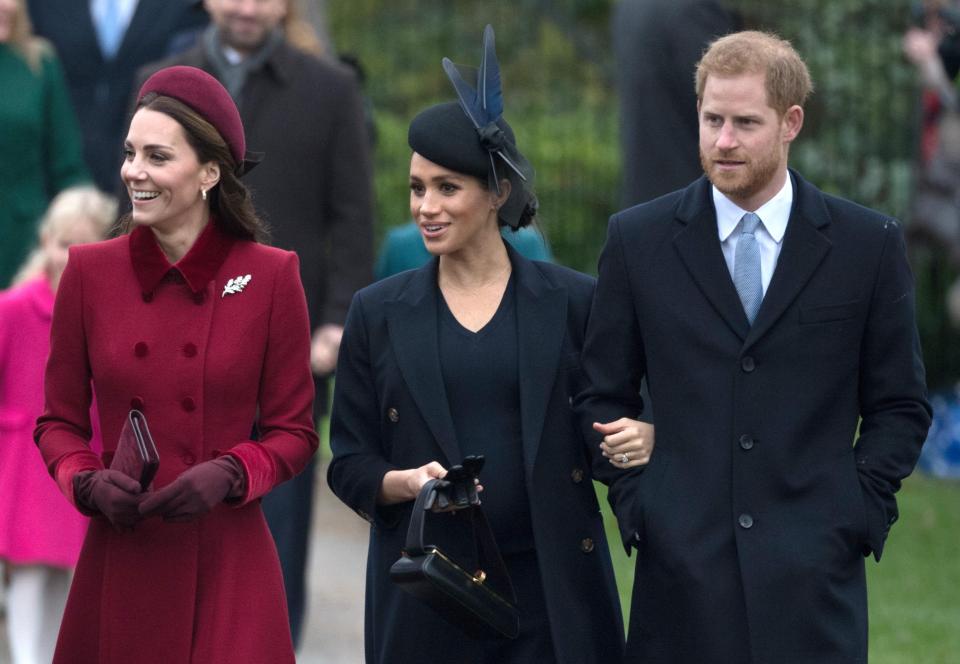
774	215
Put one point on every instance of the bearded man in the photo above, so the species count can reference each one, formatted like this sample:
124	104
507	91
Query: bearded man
771	321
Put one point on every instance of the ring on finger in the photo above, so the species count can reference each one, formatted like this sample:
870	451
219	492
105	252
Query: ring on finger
624	458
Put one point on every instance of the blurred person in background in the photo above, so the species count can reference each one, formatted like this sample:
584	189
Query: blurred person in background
191	319
657	44
477	352
403	248
315	191
932	45
102	43
40	152
40	533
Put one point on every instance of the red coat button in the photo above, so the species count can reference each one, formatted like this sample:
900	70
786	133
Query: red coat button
188	404
190	350
137	403
140	350
188	458
147	297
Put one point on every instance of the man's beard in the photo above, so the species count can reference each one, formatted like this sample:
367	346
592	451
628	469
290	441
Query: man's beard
751	178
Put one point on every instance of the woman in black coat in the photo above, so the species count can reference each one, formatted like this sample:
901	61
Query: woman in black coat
477	353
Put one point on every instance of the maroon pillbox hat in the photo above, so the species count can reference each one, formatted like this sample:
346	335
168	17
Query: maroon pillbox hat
205	95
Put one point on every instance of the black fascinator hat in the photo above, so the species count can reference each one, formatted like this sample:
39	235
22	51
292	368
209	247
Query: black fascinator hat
470	136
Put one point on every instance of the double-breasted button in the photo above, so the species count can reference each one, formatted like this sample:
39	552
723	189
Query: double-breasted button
137	403
746	442
393	414
586	545
189	458
190	349
747	364
147	296
188	404
198	298
140	349
745	521
576	475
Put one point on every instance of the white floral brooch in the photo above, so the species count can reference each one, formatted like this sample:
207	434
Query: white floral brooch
235	285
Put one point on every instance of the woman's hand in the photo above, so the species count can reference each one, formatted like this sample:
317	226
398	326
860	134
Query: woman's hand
626	443
194	493
400	486
112	493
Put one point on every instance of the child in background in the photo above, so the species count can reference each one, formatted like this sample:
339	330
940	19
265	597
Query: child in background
40	532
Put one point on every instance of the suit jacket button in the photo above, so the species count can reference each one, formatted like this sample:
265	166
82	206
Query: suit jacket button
137	403
577	475
188	404
746	442
393	415
586	545
747	364
745	521
140	349
190	349
147	296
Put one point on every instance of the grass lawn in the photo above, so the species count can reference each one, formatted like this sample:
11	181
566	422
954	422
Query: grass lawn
914	592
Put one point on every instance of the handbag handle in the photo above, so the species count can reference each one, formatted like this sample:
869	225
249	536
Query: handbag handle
496	575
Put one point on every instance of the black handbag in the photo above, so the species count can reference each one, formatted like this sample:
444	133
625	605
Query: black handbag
481	604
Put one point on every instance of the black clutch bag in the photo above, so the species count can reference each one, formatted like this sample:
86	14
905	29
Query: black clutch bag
136	454
481	604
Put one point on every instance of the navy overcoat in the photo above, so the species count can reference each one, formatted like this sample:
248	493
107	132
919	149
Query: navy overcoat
390	412
752	519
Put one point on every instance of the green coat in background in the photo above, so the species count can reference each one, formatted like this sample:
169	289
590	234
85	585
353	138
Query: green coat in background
40	150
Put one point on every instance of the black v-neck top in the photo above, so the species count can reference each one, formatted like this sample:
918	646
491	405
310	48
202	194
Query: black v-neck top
480	375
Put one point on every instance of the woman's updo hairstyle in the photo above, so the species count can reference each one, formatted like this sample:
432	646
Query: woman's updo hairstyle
472	137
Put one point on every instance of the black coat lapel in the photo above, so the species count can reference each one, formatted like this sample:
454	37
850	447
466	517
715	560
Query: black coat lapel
698	244
412	325
804	247
541	326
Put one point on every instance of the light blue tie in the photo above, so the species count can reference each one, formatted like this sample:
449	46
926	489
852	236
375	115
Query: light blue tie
746	267
109	30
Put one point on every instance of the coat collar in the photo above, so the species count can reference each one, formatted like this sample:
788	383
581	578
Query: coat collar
805	244
198	267
541	320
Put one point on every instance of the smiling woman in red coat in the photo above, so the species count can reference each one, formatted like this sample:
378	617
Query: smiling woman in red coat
188	318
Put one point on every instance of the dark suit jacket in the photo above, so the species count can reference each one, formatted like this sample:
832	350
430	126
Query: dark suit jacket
756	510
101	89
657	44
314	186
390	412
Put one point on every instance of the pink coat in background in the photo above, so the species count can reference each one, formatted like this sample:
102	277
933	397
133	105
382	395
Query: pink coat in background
38	525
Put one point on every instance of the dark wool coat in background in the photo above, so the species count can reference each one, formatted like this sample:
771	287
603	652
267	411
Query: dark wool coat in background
314	185
756	510
390	412
100	88
202	364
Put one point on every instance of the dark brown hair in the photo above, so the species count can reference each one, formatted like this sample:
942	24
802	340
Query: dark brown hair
229	199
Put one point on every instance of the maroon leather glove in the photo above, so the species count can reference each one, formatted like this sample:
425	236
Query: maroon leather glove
111	493
196	492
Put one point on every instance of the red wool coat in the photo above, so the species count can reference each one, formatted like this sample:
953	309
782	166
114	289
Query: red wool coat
202	363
